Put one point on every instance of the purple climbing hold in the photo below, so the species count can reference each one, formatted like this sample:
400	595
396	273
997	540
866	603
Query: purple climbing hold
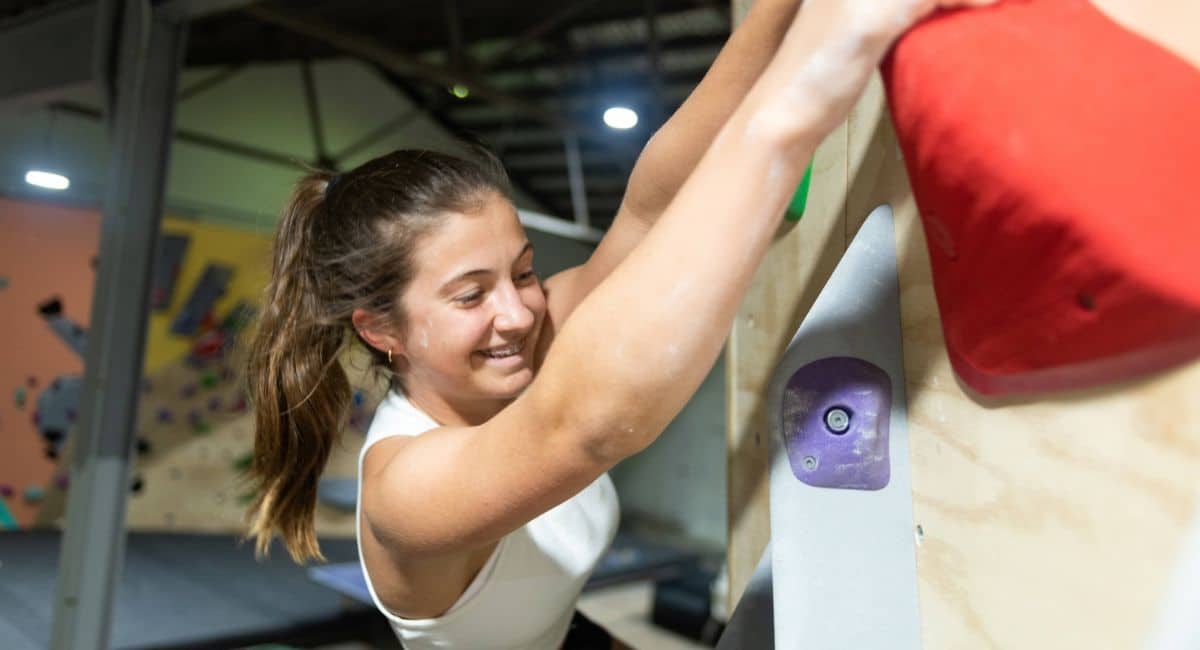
62	481
214	403
164	415
37	419
31	381
7	491
836	414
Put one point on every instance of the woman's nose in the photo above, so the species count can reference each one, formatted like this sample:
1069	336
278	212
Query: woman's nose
512	314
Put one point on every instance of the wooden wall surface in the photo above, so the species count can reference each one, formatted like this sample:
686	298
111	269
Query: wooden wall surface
1049	522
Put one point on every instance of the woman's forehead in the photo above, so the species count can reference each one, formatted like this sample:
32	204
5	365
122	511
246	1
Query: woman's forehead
492	237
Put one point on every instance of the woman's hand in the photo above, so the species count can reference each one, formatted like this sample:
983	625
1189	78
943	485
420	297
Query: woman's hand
829	54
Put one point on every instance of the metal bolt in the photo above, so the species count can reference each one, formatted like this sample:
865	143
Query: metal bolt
837	419
810	463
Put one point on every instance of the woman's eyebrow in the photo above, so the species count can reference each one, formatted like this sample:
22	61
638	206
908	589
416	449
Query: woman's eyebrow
466	274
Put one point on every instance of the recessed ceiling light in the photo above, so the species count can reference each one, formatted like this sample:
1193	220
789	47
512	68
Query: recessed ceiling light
48	180
619	117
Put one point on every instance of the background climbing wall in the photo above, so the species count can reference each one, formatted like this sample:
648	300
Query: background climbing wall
45	250
195	433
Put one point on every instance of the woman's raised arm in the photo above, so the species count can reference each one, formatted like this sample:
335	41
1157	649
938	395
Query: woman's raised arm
672	153
639	345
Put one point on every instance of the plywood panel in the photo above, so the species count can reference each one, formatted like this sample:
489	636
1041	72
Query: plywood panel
783	290
1050	522
1045	523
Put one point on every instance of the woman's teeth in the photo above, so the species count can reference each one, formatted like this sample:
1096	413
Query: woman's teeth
506	351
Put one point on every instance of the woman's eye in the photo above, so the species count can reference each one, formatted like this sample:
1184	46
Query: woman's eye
469	298
526	276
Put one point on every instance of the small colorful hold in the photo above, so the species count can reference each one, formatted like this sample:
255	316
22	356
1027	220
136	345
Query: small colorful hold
209	379
795	209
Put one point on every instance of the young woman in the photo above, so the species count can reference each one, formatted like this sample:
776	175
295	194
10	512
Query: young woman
484	503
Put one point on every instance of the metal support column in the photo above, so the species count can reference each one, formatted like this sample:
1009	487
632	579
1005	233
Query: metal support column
149	53
575	179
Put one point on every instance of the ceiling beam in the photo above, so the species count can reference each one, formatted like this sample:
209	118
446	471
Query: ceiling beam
536	32
215	79
436	109
182	10
53	54
404	65
291	161
314	116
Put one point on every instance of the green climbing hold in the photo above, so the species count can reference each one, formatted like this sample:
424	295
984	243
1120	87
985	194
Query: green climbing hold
209	379
19	397
242	463
795	209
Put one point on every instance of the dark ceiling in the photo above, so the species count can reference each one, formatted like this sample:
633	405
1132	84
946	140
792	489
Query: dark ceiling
535	70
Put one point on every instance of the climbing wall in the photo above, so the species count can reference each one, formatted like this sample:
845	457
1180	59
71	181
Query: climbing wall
1054	520
45	251
194	433
195	439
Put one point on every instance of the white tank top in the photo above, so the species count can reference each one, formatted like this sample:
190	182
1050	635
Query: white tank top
524	596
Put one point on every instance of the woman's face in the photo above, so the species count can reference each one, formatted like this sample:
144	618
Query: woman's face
474	308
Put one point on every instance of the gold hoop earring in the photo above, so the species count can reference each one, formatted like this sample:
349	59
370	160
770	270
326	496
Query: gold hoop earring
389	356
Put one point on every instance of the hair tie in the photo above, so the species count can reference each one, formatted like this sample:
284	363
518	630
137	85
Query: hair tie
329	186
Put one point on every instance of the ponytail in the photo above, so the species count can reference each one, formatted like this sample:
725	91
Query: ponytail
300	392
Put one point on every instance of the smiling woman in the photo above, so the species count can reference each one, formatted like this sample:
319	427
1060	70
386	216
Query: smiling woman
484	499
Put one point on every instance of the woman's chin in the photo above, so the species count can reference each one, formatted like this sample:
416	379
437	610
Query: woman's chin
511	385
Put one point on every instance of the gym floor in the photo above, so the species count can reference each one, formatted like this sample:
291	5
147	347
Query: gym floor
624	610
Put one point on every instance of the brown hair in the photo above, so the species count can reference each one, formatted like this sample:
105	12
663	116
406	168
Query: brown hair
343	243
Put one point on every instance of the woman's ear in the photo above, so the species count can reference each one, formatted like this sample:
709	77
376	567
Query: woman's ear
375	330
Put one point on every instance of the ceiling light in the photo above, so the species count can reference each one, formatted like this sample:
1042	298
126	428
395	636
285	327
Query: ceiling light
619	117
48	180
